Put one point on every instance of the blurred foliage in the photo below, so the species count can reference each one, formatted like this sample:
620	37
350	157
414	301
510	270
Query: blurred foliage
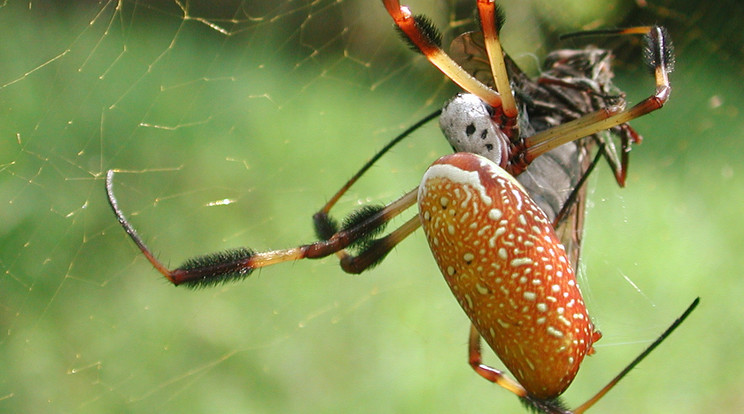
230	126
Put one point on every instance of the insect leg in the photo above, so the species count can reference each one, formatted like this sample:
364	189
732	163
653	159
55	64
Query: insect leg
659	50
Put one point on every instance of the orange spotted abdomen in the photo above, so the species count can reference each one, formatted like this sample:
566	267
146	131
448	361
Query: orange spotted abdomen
507	269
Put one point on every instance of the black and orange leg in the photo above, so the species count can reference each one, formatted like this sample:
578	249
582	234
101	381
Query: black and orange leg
236	264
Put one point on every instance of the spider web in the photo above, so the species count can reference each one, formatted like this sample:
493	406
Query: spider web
229	125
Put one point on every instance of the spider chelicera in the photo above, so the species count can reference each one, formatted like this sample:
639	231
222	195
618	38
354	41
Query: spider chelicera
506	246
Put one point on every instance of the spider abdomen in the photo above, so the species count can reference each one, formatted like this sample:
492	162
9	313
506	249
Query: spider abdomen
500	256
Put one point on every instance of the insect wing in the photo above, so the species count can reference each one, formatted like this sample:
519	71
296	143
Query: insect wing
469	51
550	181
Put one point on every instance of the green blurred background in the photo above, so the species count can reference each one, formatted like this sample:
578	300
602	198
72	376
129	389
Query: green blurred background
232	124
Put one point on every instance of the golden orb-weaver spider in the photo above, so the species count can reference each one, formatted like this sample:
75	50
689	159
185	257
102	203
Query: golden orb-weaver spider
498	240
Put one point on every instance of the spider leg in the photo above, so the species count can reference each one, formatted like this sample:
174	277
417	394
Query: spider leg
324	225
677	322
377	249
573	197
491	374
498	377
159	266
425	38
236	264
491	20
660	57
